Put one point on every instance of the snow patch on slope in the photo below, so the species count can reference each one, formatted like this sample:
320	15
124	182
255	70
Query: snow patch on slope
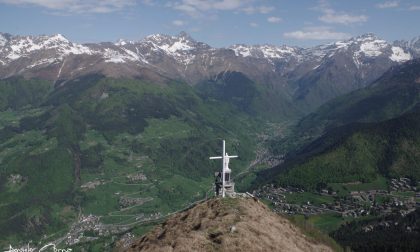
135	57
76	49
342	44
114	56
373	48
175	47
277	52
241	51
47	61
398	55
264	51
178	47
123	56
22	48
123	42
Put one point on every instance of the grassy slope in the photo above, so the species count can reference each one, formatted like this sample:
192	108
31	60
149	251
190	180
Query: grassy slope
16	93
103	129
257	100
356	153
395	93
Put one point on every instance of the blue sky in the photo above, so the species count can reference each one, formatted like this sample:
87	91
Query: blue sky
216	22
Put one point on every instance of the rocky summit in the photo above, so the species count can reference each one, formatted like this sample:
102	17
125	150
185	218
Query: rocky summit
226	224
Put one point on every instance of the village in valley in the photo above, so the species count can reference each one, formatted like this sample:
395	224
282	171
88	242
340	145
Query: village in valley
401	196
346	201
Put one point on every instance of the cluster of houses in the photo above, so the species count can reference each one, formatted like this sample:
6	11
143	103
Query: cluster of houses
134	178
356	204
17	179
85	224
402	184
89	228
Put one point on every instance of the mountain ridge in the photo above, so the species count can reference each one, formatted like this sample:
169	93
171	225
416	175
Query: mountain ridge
376	102
304	77
182	48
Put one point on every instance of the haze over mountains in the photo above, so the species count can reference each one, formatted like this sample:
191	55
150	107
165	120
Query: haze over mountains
305	77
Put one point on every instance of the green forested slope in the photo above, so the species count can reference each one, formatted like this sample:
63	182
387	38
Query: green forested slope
96	129
393	94
356	152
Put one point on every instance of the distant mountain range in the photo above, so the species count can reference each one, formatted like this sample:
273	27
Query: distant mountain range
305	77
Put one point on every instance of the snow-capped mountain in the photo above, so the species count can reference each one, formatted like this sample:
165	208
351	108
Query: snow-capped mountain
370	46
16	47
412	46
182	47
345	65
367	45
267	51
183	50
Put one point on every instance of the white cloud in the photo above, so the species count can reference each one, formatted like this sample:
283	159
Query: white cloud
202	8
252	24
265	9
331	16
196	8
414	7
388	4
316	33
77	6
148	2
190	10
178	23
274	19
258	9
342	18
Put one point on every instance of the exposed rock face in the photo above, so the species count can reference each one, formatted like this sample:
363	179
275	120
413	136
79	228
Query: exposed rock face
226	225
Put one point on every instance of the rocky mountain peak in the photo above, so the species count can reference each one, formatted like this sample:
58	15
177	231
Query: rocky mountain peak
185	35
181	47
58	38
367	46
366	36
180	42
123	42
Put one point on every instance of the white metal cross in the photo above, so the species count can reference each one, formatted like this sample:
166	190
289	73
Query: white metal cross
225	162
